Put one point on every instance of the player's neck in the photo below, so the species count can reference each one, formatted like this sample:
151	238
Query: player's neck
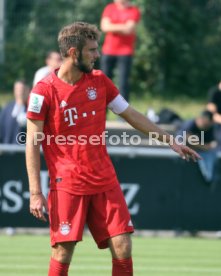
123	5
69	74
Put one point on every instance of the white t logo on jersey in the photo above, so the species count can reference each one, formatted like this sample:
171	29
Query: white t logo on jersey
69	116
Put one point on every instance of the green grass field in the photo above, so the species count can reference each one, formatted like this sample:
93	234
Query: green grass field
22	255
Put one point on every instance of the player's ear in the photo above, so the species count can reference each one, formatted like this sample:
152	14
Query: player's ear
73	52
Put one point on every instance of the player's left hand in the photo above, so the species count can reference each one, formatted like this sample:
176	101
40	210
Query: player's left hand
185	152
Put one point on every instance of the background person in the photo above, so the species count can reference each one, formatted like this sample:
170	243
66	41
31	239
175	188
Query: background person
207	146
53	61
214	106
118	22
13	115
83	184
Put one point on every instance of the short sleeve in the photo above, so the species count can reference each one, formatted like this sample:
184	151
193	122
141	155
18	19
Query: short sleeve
107	11
38	103
136	15
111	89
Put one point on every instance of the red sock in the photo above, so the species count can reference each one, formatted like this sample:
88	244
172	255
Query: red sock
123	267
58	269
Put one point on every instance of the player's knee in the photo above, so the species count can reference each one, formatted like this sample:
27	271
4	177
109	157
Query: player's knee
62	252
121	246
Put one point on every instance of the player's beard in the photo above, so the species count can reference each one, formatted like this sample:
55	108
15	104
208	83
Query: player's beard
81	65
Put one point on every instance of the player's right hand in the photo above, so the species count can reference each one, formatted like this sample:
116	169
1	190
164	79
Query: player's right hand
37	205
185	152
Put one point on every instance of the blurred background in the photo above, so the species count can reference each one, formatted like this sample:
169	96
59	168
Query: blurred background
177	50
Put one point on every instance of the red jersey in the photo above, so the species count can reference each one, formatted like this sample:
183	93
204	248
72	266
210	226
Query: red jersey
119	44
71	115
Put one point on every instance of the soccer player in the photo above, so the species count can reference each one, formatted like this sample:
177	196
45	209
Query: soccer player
68	109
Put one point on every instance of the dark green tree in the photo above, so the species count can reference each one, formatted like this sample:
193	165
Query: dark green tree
182	40
177	51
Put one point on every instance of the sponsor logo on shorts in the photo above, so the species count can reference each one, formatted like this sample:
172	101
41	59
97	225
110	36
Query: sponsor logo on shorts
130	223
65	228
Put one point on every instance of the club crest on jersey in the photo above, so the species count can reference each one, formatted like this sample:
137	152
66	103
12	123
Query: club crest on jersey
65	228
91	93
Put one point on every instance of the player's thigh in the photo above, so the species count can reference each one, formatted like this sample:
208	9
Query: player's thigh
67	215
108	216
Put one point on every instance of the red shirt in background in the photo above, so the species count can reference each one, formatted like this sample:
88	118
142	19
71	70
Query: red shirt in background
78	109
119	44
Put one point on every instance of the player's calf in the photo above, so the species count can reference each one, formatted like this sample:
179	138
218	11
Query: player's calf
61	258
121	246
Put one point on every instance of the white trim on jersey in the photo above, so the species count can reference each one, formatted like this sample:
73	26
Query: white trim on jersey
118	105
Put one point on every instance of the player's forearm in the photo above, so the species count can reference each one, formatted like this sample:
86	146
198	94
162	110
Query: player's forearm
123	28
143	124
113	28
33	167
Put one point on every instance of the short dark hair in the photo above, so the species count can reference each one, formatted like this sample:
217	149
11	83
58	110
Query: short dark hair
207	114
75	35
